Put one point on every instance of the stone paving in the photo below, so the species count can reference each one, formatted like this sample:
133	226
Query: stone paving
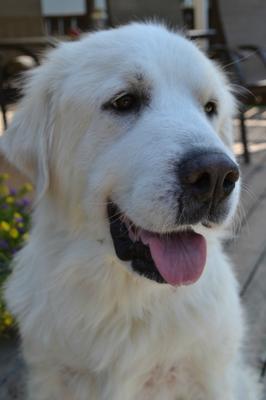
12	371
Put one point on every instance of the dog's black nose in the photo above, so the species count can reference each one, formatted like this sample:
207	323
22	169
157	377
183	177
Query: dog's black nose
208	177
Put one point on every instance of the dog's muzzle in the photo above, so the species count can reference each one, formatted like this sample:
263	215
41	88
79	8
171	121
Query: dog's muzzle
207	180
178	257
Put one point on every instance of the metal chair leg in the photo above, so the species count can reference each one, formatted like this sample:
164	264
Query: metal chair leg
244	137
3	109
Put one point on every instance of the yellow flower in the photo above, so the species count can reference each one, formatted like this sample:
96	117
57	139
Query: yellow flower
4	226
4	177
4	190
25	236
28	186
14	233
10	200
6	314
17	215
8	321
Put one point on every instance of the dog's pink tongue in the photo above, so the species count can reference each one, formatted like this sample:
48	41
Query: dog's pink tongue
180	258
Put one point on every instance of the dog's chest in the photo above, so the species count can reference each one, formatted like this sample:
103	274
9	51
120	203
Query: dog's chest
167	383
159	376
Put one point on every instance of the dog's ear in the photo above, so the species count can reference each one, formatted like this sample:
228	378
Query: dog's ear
26	142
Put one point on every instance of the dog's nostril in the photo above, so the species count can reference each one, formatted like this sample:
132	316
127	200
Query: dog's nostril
200	184
200	181
208	177
230	180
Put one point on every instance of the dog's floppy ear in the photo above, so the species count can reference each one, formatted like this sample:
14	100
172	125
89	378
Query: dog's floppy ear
26	141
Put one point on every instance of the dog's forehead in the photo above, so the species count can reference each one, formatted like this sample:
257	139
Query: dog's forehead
140	51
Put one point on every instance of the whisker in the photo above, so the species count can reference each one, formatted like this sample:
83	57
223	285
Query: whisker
243	58
246	189
239	217
236	88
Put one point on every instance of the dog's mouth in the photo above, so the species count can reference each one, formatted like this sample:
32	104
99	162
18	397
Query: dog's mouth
176	258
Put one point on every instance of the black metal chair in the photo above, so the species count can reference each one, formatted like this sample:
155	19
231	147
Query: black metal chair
21	30
123	11
11	73
241	35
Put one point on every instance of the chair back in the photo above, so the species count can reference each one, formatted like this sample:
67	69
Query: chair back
20	18
123	11
242	22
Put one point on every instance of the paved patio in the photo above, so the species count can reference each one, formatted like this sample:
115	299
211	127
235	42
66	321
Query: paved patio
248	250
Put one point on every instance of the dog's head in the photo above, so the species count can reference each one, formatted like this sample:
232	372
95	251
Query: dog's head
130	129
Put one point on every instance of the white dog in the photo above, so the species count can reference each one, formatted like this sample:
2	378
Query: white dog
123	291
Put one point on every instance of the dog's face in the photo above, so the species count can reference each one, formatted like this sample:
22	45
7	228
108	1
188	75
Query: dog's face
137	123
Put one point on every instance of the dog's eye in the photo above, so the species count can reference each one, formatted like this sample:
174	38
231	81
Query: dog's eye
210	108
126	102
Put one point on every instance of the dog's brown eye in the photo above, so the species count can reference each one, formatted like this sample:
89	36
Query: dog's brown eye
210	108
127	102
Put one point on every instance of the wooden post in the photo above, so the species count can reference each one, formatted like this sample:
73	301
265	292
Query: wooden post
201	14
99	14
201	19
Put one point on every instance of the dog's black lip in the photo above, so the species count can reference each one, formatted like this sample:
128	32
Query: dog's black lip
207	224
127	250
205	214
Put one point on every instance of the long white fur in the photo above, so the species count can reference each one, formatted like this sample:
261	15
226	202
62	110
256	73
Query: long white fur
91	328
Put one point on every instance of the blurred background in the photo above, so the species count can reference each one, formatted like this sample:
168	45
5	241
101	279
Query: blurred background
233	33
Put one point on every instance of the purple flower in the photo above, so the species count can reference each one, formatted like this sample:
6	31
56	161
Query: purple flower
14	250
13	192
25	202
3	244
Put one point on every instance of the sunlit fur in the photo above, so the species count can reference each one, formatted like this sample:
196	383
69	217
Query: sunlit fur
91	328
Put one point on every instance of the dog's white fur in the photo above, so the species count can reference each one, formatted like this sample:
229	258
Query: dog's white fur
91	328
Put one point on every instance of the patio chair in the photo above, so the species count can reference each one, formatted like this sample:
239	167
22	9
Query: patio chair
241	44
20	18
11	71
20	23
123	11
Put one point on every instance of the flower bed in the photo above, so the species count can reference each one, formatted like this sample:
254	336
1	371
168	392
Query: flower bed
14	227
